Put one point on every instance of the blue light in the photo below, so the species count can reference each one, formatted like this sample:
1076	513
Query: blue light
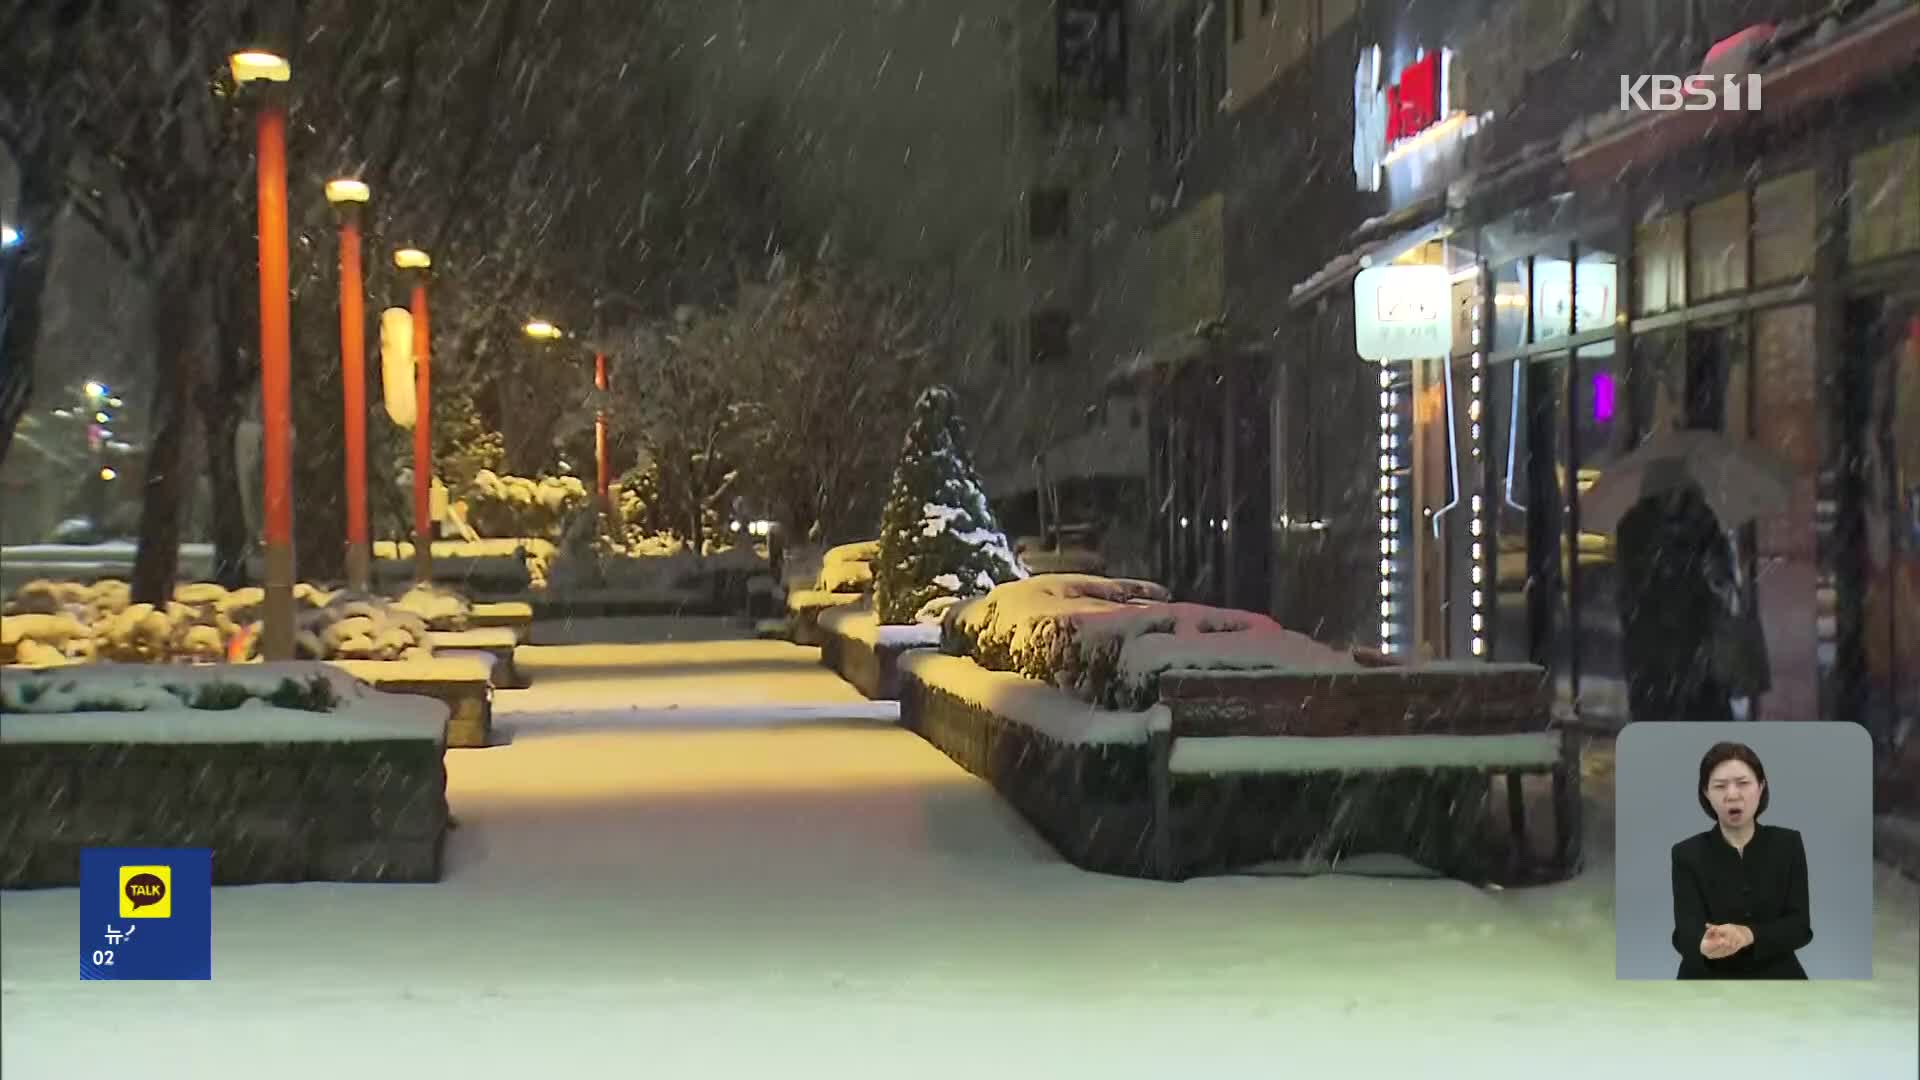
9	236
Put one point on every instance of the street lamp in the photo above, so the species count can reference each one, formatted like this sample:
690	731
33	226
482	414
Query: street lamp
416	265
266	75
542	330
9	236
347	197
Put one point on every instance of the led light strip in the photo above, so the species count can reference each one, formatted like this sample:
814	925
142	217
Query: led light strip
1389	502
1477	524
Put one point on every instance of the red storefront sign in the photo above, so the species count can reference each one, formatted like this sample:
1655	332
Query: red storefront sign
1413	102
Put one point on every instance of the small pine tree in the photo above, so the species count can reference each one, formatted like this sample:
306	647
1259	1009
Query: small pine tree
938	537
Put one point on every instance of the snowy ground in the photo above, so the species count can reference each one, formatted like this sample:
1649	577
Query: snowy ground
711	858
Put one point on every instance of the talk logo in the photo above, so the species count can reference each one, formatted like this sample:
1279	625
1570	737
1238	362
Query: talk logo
146	892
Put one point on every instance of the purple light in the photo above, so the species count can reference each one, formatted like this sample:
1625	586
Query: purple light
1603	397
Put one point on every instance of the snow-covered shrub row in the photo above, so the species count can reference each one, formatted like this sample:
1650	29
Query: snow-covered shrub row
105	691
522	506
1107	641
205	623
848	568
476	560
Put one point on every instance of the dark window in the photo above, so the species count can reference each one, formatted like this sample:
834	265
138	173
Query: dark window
1266	7
1050	332
1091	43
1239	20
1049	213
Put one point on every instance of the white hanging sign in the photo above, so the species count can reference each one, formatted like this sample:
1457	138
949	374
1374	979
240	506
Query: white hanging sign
1403	312
396	365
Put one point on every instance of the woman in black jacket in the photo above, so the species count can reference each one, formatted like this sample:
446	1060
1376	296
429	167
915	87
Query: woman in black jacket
1740	888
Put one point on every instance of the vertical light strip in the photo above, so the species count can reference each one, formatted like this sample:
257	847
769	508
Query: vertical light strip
1389	504
1478	520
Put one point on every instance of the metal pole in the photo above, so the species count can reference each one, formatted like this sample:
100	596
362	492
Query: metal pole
276	381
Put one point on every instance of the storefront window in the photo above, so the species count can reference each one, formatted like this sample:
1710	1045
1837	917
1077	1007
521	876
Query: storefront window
1783	228
1883	204
1510	292
1552	296
1507	441
1601	435
1659	382
1892	609
1785	419
1717	259
1660	263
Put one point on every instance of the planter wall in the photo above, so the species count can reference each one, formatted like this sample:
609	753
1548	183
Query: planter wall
370	810
873	668
1116	807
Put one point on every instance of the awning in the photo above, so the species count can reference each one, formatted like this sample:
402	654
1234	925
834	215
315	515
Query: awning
1872	47
1374	249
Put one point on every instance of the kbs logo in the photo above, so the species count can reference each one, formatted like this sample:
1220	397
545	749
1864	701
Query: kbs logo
1692	93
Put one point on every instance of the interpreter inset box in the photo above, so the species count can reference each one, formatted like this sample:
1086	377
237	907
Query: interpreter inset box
1743	851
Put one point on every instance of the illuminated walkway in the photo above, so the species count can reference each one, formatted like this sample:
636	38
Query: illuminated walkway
711	858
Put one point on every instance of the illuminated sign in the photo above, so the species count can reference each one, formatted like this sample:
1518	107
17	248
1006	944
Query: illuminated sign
1395	116
1403	312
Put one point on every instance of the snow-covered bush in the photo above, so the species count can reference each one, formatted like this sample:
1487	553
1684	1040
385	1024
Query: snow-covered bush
121	690
938	536
440	609
514	506
848	568
1107	641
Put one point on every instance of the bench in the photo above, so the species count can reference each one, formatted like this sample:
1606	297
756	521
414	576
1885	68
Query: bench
1449	729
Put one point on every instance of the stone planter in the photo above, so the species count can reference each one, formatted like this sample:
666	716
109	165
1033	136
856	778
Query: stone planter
805	607
513	615
866	654
496	643
358	794
1202	783
463	685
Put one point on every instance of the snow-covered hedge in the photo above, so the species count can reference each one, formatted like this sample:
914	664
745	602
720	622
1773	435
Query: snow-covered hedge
106	689
207	623
848	568
498	560
522	506
1107	641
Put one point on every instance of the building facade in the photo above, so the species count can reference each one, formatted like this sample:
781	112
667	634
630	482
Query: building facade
1607	273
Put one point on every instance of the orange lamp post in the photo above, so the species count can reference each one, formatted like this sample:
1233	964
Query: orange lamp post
348	197
542	330
266	75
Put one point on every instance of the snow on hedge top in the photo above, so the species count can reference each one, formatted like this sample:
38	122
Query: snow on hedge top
142	703
864	551
1032	704
864	626
1108	641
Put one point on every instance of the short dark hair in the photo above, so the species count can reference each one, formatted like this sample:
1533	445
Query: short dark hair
1721	753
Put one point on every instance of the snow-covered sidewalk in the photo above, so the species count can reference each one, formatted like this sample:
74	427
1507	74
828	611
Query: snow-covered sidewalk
711	858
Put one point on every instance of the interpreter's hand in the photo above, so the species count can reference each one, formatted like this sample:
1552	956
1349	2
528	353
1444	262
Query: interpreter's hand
1718	942
1741	936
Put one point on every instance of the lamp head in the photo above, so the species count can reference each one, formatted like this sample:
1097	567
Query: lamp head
258	65
542	330
411	259
347	192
